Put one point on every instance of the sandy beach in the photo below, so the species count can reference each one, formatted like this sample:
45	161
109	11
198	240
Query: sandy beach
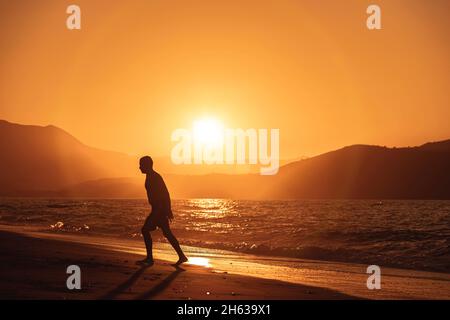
33	266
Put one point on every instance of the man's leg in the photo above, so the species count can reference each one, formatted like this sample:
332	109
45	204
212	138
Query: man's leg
174	242
148	240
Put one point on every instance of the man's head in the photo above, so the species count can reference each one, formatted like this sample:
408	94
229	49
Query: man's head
146	164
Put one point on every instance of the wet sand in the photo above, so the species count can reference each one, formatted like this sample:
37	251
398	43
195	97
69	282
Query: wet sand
33	266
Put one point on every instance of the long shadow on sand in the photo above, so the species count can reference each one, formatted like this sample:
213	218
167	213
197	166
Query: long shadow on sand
124	286
146	295
160	286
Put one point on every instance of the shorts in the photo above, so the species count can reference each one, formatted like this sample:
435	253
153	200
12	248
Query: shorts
156	219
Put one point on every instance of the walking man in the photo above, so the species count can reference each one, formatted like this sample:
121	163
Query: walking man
161	214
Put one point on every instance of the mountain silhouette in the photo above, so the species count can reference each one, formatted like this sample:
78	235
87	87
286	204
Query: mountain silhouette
37	158
362	171
353	172
47	161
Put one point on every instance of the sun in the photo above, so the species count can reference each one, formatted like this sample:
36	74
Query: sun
208	132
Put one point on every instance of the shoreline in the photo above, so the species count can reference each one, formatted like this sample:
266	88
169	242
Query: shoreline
35	268
109	264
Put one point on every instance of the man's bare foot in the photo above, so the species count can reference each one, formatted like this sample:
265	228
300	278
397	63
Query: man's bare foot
146	262
181	260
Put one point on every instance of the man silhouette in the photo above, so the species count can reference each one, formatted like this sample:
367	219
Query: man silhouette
159	199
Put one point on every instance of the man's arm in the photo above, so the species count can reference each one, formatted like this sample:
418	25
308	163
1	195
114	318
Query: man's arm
170	215
148	198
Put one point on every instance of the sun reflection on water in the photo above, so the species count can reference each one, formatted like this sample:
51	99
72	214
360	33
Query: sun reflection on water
212	208
198	261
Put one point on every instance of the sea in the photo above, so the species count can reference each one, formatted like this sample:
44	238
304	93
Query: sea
410	234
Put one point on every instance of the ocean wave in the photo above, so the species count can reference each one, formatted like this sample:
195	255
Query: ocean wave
417	260
409	234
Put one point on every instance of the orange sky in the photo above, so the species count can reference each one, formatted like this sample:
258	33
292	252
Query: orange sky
140	69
